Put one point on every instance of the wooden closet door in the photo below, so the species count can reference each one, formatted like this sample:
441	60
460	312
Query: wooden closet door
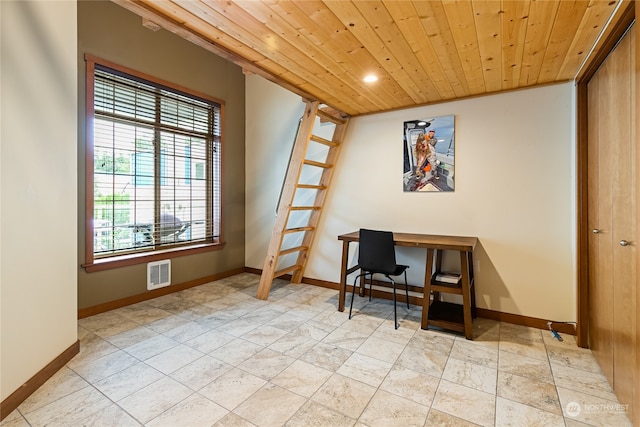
624	272
612	213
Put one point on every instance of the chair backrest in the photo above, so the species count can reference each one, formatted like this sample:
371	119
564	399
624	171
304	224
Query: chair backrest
377	251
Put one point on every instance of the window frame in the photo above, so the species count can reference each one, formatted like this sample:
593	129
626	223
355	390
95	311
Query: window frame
92	263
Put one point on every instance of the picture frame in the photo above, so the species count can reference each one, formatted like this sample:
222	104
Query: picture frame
429	154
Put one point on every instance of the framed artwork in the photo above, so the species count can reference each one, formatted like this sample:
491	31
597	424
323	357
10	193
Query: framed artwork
429	154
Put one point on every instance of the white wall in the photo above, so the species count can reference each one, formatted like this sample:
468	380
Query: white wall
270	131
38	181
514	190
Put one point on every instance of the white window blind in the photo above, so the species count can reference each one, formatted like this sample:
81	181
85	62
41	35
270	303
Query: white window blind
156	177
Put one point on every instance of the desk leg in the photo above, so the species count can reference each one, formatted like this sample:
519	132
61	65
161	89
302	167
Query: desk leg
343	275
472	284
466	296
426	298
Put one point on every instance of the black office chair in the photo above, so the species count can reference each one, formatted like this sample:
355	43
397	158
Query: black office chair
377	255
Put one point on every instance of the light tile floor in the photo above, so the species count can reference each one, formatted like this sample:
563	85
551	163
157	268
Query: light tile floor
215	355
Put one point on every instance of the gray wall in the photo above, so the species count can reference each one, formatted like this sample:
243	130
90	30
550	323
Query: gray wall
111	32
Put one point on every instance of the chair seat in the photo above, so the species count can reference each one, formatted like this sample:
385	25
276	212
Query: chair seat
399	270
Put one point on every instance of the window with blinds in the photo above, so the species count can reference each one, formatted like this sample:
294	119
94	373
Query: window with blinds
156	166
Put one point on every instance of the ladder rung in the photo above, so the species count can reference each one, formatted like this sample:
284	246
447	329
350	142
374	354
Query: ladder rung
305	208
292	250
330	117
297	229
286	270
317	164
323	141
312	186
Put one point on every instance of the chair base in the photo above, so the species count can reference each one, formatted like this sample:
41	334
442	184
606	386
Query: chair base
393	283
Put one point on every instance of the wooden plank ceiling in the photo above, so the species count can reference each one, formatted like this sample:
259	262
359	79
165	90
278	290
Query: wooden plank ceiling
421	51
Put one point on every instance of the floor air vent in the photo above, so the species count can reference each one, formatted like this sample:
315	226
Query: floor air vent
158	274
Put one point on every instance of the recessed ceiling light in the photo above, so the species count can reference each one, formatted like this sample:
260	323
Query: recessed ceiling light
371	78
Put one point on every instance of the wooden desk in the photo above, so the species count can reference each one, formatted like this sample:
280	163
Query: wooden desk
444	315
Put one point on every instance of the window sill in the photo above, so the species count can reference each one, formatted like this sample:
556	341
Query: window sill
109	263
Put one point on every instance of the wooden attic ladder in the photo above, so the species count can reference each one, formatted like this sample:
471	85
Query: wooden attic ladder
306	148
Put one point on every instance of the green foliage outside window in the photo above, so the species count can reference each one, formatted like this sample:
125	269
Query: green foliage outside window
111	220
104	162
